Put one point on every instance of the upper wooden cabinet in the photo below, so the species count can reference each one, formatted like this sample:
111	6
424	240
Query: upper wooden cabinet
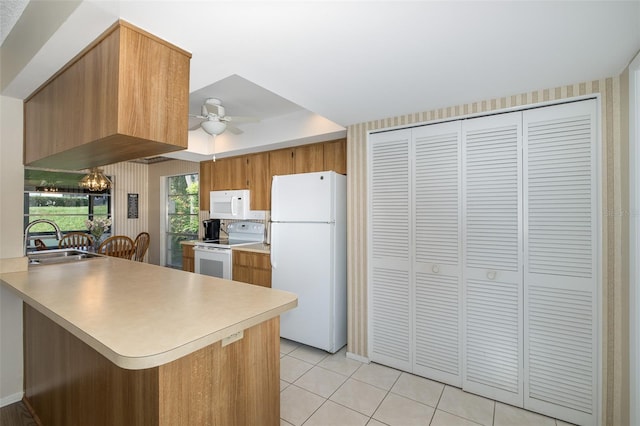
309	158
206	183
335	156
255	171
125	96
281	162
229	173
259	180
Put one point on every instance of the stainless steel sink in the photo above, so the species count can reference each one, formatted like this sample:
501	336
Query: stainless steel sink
48	257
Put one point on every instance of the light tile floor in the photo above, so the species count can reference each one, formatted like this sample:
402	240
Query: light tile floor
320	389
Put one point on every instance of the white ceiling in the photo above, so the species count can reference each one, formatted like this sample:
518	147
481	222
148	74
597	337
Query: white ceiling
356	61
10	11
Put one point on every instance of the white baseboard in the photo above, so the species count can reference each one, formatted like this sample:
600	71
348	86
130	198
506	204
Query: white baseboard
357	357
8	400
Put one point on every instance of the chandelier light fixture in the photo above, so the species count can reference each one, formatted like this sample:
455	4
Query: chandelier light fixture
95	181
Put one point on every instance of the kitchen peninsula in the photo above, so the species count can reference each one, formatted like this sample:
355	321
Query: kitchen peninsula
111	341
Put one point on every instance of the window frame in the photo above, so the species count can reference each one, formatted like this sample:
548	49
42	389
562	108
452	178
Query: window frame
51	190
167	235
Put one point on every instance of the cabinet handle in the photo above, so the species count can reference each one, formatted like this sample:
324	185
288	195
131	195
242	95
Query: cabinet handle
435	268
491	275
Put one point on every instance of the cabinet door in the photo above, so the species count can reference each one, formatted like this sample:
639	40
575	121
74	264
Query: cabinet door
335	156
492	235
206	184
561	261
241	266
390	312
188	258
229	173
252	268
261	269
259	180
438	250
281	162
309	158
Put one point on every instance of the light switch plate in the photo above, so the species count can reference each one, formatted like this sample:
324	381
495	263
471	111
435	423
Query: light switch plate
233	338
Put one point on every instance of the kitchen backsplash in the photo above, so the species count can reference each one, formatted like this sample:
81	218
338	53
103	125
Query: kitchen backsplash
204	214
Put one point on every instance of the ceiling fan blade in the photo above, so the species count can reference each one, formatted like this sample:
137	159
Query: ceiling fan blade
195	121
234	130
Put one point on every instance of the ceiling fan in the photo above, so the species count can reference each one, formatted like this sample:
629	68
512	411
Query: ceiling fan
214	121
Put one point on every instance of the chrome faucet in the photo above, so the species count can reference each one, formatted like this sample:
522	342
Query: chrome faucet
35	222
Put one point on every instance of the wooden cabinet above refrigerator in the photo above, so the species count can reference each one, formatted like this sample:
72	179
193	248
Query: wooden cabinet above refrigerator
125	96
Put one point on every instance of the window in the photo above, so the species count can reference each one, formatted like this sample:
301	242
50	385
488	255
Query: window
55	195
182	219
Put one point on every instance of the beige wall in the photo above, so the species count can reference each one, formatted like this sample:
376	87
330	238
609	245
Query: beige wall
11	189
129	178
615	283
144	180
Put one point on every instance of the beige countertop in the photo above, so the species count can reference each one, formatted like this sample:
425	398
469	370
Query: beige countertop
256	248
139	315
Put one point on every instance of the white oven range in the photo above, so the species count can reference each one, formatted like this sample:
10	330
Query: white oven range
213	257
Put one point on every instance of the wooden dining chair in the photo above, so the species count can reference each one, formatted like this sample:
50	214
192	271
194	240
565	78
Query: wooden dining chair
117	246
40	245
140	246
77	240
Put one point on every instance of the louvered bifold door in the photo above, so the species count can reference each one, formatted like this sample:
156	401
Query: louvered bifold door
561	262
390	310
492	257
437	266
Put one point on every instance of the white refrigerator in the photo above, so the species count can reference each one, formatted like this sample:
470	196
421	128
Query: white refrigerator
309	256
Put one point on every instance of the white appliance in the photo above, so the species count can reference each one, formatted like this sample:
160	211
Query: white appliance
309	256
213	257
233	204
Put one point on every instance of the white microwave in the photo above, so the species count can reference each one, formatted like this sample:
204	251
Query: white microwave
233	204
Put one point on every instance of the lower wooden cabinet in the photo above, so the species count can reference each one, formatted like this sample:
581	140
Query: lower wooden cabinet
251	267
69	383
188	258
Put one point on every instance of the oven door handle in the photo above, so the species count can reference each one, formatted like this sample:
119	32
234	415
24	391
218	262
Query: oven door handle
209	249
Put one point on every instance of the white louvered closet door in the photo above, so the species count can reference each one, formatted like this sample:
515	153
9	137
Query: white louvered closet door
562	265
492	257
390	306
437	240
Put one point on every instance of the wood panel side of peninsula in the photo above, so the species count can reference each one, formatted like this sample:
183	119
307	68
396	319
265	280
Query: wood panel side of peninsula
68	382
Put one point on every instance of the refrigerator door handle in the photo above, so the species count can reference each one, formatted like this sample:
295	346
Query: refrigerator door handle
271	254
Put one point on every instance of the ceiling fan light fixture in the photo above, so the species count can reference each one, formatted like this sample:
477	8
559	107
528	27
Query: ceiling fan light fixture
95	181
214	127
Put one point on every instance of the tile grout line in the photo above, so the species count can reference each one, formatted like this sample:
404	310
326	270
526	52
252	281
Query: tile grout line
327	398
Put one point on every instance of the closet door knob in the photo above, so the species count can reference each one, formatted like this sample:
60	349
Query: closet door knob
491	275
435	268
